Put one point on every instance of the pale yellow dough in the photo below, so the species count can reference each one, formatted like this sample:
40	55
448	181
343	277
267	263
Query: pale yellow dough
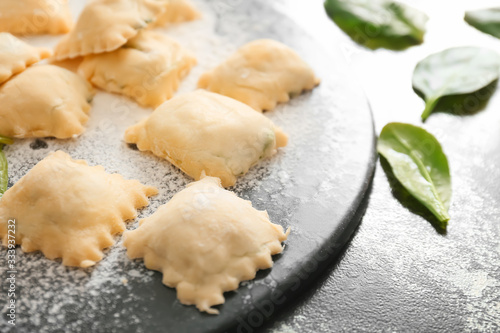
43	101
206	241
35	16
105	25
177	11
69	210
16	55
206	132
148	68
261	74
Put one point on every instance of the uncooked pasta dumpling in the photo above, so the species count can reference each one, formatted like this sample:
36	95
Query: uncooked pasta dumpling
105	25
35	16
70	210
16	55
206	132
44	101
261	74
148	68
177	11
206	241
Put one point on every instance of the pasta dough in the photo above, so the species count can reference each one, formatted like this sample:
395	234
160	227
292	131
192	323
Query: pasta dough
16	55
206	132
105	25
148	68
206	241
35	16
44	101
261	74
177	11
69	210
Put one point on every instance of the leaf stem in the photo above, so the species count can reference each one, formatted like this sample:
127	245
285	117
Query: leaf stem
429	107
442	215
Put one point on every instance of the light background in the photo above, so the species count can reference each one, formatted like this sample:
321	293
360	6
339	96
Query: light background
398	274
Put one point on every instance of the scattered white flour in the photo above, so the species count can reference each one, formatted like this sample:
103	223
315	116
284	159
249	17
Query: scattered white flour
53	297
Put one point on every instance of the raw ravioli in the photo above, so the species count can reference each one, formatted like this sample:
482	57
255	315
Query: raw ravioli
177	11
148	68
205	241
261	74
69	210
16	55
35	16
105	25
206	132
44	101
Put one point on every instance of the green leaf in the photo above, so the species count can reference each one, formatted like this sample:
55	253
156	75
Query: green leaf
466	104
378	23
4	174
418	162
455	71
5	140
485	20
4	169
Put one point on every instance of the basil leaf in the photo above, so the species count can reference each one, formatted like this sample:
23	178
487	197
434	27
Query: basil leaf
485	20
459	70
418	162
466	104
4	174
378	23
5	140
4	167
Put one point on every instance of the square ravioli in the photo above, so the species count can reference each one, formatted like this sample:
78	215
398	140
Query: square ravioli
16	55
70	210
105	25
31	17
261	74
205	241
206	133
148	68
177	11
44	101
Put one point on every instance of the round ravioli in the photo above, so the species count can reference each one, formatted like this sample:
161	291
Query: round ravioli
44	101
205	241
69	210
261	74
206	132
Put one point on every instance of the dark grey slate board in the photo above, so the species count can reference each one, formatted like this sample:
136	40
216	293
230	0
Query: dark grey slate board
317	186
